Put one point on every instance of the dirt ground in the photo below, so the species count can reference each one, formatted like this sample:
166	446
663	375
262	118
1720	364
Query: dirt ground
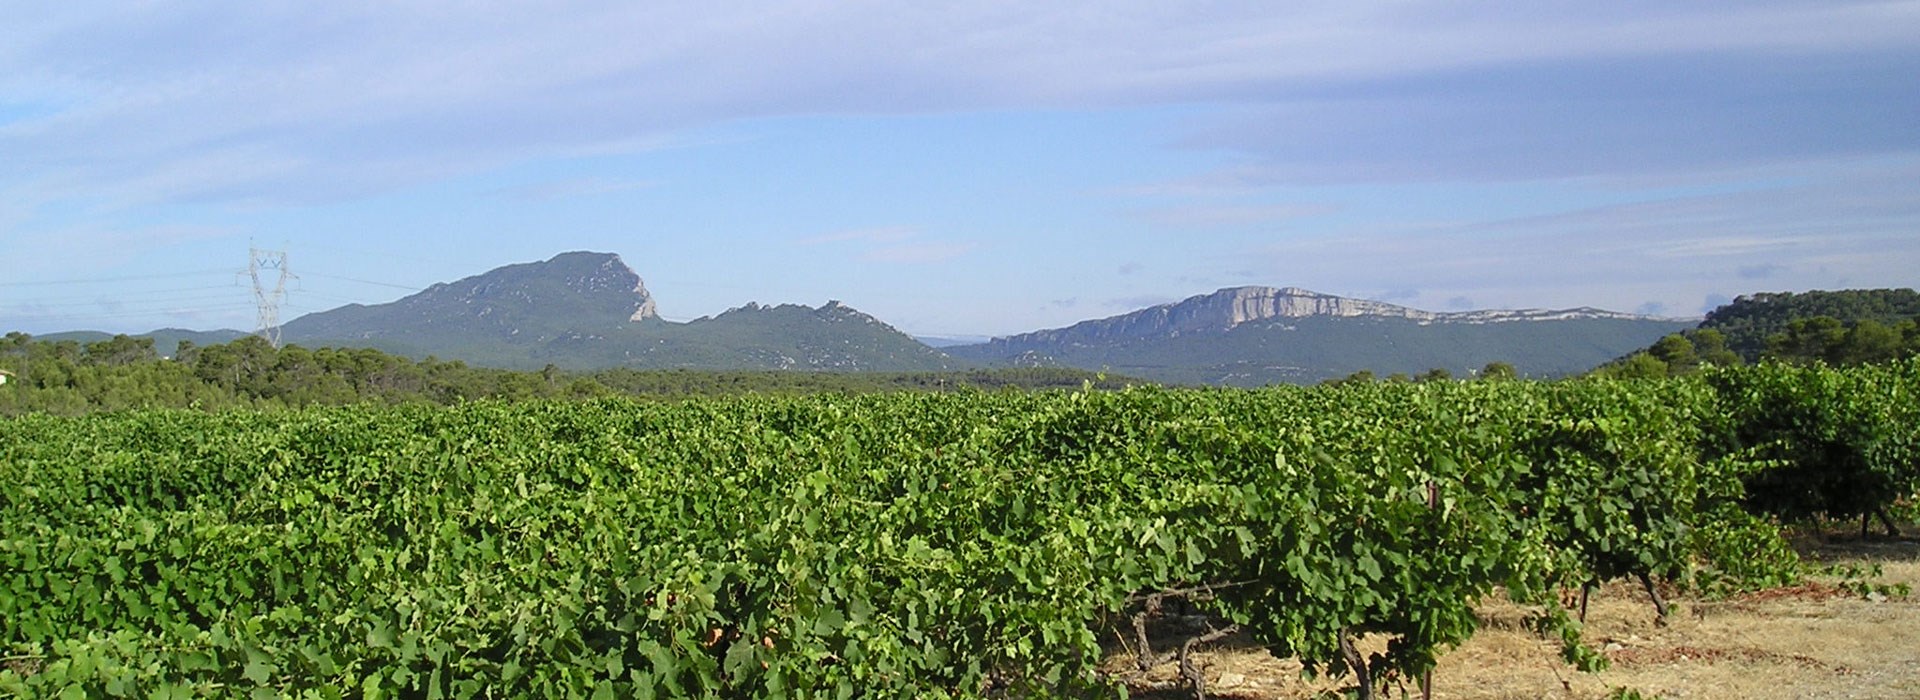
1811	641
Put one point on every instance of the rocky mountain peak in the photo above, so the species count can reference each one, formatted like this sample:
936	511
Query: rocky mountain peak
526	301
596	286
1233	306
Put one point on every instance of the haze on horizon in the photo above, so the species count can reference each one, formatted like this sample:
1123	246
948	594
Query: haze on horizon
986	169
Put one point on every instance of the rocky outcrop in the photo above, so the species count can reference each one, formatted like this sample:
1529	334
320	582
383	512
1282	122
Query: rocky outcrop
1237	305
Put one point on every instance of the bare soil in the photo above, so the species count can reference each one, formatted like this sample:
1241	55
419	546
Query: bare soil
1816	640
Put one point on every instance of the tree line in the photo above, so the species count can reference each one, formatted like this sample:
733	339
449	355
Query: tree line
1839	328
125	372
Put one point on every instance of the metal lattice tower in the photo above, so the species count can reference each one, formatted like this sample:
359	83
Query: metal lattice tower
262	264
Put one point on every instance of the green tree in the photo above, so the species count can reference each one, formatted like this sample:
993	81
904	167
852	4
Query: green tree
1711	347
1677	353
120	350
1498	371
1640	365
1866	341
1364	376
1751	321
1806	339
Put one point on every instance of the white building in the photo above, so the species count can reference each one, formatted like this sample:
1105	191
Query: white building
4	376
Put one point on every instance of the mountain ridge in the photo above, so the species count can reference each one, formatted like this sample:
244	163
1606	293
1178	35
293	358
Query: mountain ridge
1253	335
585	310
1229	307
590	310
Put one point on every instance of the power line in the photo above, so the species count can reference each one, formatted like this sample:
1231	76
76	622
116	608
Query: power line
307	294
409	288
139	312
127	278
98	298
37	304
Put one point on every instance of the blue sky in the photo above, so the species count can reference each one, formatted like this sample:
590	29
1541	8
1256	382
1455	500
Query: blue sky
981	169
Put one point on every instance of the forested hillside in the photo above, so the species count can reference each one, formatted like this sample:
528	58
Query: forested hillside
1847	327
1753	322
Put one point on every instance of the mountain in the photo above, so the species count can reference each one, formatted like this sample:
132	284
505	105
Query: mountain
1250	336
585	310
520	305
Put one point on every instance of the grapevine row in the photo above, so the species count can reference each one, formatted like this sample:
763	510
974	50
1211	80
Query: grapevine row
964	545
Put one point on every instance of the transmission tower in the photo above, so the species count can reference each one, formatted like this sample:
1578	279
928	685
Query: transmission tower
261	265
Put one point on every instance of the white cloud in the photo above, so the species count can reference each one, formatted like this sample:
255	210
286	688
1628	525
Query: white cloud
292	102
1852	232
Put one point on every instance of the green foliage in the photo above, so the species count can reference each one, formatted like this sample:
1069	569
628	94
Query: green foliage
67	377
1751	322
928	544
1858	580
1826	339
1841	328
1640	365
1842	443
1676	352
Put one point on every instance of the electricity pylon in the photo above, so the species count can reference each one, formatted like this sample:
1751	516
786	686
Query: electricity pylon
262	264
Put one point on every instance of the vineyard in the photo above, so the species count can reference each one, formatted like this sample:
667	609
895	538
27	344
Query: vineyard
900	545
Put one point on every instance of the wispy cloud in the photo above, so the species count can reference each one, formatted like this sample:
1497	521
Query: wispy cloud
117	117
330	95
1673	250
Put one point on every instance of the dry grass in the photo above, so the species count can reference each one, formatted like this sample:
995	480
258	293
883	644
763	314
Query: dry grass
1811	641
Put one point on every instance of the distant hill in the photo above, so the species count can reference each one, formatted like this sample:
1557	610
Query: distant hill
941	341
1844	327
1749	321
584	310
1251	336
166	341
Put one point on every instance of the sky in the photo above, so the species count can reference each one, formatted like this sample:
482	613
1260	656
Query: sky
955	169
